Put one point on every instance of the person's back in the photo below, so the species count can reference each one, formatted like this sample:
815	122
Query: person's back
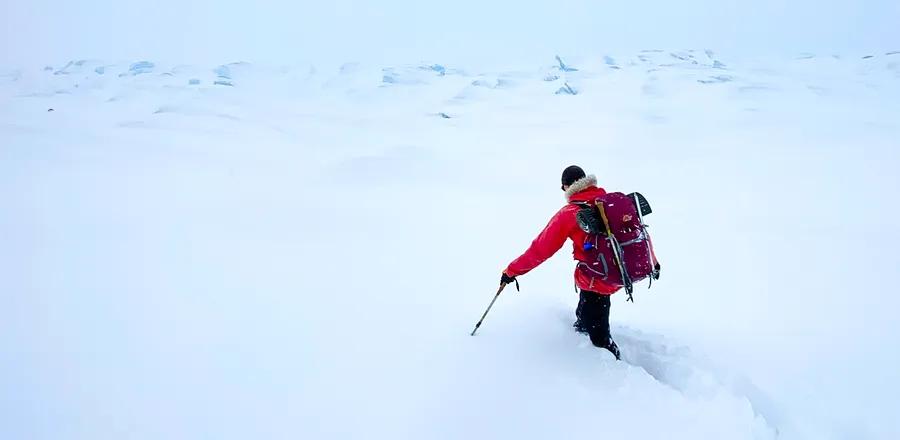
593	306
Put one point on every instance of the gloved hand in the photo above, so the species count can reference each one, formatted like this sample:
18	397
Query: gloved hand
506	279
656	271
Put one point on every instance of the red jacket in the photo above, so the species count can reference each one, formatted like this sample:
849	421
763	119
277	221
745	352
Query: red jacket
563	225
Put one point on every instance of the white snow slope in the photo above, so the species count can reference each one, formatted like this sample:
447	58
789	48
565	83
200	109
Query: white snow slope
256	252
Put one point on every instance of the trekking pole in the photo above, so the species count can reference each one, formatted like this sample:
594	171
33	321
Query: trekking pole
502	286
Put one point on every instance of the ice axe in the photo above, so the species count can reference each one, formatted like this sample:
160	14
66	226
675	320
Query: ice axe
502	286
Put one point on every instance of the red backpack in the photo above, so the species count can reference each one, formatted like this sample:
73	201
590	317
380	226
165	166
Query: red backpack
617	237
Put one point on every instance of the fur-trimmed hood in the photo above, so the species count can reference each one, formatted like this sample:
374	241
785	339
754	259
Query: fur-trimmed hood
580	185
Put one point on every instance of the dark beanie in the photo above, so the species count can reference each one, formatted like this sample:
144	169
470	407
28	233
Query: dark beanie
571	174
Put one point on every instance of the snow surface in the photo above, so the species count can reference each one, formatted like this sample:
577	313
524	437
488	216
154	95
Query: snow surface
248	251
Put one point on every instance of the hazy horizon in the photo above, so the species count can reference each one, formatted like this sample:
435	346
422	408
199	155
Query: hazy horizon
203	31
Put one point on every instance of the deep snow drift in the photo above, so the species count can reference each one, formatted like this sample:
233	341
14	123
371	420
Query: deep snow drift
248	251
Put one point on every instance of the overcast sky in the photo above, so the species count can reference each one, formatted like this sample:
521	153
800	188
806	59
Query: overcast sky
283	31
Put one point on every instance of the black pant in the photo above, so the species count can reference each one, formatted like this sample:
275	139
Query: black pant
593	316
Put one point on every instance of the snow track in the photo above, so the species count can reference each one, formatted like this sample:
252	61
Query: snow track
696	378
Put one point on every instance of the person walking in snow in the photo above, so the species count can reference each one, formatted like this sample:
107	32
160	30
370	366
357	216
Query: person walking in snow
592	312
